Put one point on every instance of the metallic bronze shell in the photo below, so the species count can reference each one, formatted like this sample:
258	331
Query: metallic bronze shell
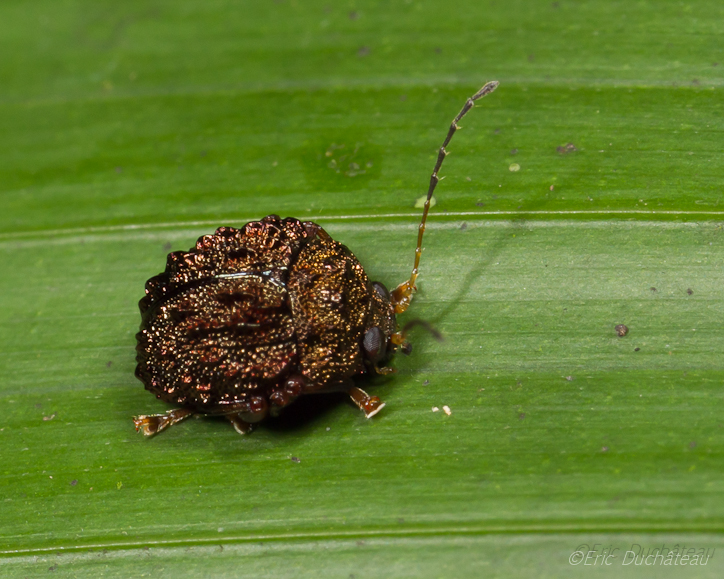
251	318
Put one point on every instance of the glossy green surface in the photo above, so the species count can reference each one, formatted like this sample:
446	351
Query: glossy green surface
128	130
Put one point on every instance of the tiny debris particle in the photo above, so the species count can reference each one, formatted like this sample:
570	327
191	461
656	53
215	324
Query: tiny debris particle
74	482
604	449
521	416
463	226
46	418
295	459
621	330
420	202
689	291
480	204
653	289
514	151
328	429
446	410
692	444
636	349
363	51
569	378
435	409
551	188
109	364
426	382
514	167
565	149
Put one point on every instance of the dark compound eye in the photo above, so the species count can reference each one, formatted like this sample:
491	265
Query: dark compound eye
382	290
373	342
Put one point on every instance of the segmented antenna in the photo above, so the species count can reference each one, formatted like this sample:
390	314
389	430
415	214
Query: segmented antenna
402	294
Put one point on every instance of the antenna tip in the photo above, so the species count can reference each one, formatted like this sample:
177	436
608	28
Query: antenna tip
487	89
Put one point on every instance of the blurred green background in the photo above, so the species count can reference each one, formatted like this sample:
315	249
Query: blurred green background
129	129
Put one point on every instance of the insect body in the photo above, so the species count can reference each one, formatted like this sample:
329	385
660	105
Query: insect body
252	318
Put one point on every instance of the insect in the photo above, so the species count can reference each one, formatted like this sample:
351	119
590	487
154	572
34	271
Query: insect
250	319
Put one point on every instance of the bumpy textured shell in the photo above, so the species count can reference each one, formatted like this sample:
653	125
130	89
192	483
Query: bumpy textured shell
233	318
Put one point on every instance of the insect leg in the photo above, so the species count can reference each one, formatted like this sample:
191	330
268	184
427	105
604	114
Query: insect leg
402	294
370	405
241	426
154	423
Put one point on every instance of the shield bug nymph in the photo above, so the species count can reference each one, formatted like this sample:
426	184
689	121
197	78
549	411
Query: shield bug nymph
250	319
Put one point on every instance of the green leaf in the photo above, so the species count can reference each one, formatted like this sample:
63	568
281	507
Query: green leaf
129	129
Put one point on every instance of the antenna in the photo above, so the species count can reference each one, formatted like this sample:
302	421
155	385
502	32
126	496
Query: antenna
402	294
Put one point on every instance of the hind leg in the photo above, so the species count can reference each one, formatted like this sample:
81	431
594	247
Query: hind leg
154	423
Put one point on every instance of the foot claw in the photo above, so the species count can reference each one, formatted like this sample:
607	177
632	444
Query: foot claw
373	407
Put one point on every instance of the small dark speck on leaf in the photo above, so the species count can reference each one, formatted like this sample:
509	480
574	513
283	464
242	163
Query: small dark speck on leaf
74	482
353	15
295	459
363	51
689	291
400	521
360	543
692	444
531	57
426	382
480	204
621	330
514	151
109	364
38	405
463	226
438	50
119	169
636	349
565	149
497	131
53	567
403	97
653	289
521	416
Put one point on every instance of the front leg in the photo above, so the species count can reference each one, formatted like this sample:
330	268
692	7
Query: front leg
370	405
240	425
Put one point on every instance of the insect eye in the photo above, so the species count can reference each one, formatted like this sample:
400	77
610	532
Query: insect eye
372	343
381	290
